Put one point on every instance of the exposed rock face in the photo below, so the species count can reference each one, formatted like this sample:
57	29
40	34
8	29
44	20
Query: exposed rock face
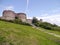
8	15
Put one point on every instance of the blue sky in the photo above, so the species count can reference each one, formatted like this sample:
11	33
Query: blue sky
48	10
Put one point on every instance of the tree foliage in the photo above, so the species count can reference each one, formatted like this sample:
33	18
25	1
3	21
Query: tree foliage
45	25
34	20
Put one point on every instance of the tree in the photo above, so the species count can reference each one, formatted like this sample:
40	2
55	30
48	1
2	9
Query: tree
34	20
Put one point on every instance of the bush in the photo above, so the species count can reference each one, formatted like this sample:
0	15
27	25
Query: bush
34	20
56	28
49	26
17	21
36	24
45	25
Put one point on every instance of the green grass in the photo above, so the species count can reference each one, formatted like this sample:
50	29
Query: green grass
52	31
15	34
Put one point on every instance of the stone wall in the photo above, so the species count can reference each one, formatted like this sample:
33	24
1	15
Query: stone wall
29	21
8	15
22	16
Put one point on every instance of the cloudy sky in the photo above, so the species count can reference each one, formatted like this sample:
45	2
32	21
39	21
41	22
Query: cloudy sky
48	10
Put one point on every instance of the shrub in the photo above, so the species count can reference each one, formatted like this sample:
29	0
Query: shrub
34	20
45	25
56	28
17	21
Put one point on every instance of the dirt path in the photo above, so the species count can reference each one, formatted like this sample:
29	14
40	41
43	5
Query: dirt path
56	35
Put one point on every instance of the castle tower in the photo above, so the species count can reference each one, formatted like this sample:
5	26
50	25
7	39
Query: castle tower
21	16
8	15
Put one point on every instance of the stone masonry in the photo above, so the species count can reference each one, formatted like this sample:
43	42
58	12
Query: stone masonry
10	15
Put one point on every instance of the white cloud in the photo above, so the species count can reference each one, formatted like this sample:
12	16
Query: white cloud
27	5
9	8
54	19
29	17
45	14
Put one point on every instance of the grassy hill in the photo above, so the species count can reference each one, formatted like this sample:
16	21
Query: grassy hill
15	34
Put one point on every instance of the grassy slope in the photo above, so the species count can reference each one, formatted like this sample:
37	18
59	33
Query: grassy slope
14	34
52	31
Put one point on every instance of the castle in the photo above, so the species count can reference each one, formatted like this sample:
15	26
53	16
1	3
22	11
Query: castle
11	15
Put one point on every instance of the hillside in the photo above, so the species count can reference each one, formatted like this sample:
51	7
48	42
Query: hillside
15	34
